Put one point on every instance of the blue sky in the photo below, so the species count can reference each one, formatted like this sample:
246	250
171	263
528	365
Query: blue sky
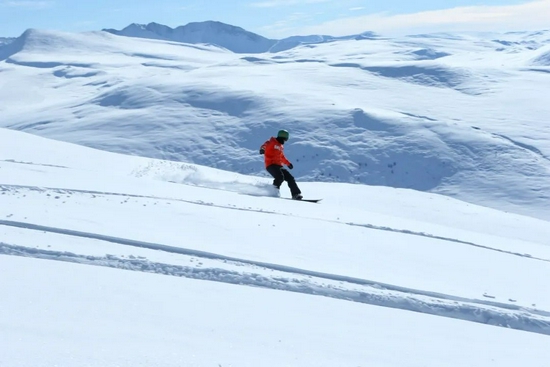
280	18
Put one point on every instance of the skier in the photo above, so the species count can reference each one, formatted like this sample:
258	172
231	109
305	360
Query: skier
273	151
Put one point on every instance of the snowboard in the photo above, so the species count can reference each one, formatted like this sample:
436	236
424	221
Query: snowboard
306	200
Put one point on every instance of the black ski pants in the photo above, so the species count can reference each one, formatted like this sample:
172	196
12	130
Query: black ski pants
281	174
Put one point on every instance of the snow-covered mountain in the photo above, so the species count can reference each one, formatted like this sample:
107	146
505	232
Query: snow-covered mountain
6	40
233	38
113	260
132	260
295	41
224	35
462	115
543	57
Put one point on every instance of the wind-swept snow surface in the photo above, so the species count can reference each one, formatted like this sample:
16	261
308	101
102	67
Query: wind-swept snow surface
118	260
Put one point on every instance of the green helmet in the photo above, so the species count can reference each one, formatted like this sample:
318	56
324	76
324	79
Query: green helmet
283	134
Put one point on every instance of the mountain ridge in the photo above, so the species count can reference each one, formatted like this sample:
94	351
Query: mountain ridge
233	38
6	40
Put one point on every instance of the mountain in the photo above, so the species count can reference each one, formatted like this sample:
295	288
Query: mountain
116	260
295	41
6	40
138	226
439	114
227	36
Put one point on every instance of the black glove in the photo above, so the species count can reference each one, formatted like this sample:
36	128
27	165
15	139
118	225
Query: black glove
290	166
262	151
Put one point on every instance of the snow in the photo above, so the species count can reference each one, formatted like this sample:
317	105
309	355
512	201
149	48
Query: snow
220	34
462	115
6	40
138	227
543	58
227	36
166	321
111	259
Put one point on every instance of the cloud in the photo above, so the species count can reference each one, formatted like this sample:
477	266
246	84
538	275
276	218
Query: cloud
27	4
533	15
281	3
285	26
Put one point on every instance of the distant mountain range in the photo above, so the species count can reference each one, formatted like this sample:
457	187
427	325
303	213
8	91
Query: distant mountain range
239	40
233	38
5	41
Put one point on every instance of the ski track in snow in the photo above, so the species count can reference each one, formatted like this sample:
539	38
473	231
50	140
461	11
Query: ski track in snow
304	281
435	237
31	163
7	188
282	277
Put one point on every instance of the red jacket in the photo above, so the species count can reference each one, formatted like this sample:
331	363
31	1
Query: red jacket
274	153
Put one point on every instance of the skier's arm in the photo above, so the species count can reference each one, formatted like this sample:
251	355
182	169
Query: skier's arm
286	161
262	148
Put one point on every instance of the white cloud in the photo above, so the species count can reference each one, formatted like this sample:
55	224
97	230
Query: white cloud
357	8
286	26
534	15
281	3
27	4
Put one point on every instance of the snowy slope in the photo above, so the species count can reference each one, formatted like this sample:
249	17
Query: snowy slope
119	260
543	59
462	115
107	317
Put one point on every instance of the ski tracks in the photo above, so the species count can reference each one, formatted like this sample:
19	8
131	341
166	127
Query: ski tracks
7	188
285	278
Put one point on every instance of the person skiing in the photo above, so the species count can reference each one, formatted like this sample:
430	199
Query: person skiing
273	151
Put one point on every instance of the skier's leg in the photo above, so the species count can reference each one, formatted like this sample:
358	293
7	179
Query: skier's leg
277	173
294	189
